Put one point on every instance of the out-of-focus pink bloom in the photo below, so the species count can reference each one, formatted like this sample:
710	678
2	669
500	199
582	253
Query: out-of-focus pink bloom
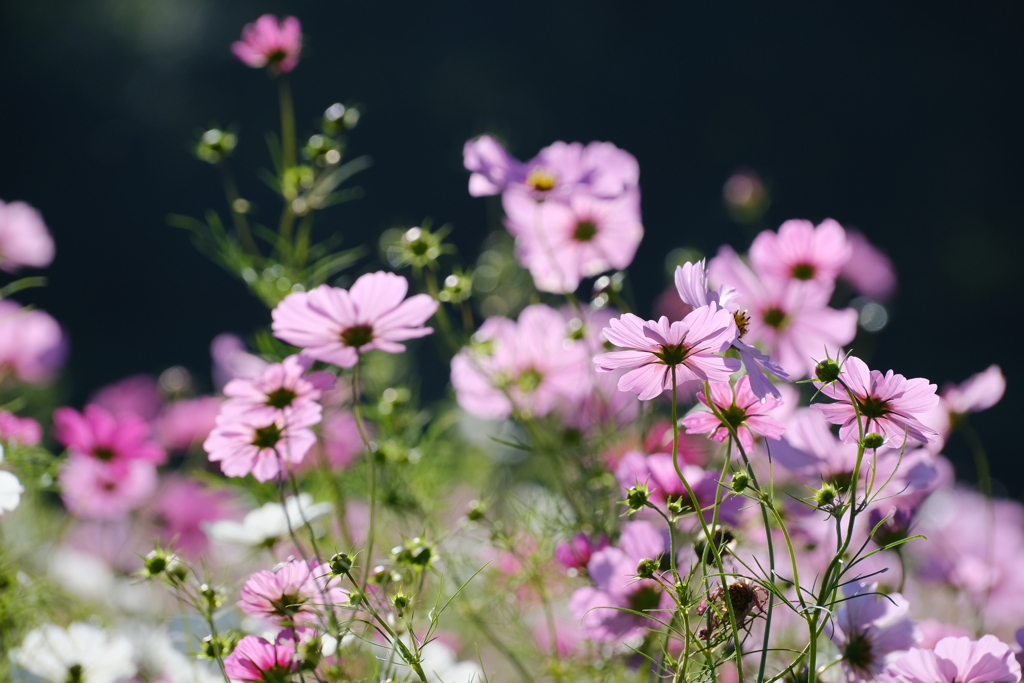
978	392
791	318
257	660
656	348
561	243
1019	637
669	304
32	345
269	42
568	638
531	365
576	553
339	439
137	395
740	409
262	449
336	325
94	489
871	630
800	251
110	439
987	660
613	571
295	592
232	361
889	404
693	450
24	239
659	473
182	508
560	170
187	422
933	631
23	431
869	270
283	388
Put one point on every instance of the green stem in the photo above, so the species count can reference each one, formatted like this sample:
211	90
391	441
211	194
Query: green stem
284	93
241	223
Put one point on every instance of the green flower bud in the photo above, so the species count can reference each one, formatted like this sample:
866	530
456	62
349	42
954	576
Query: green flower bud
825	497
637	497
477	511
647	568
341	563
873	440
401	602
740	481
827	371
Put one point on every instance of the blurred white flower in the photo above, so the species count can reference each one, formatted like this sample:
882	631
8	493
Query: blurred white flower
268	523
10	491
440	666
83	653
158	659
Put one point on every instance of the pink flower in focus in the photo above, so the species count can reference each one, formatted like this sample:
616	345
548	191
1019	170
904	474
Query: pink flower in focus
869	270
741	409
655	348
283	388
336	325
978	392
96	433
576	553
295	592
32	345
187	422
889	405
268	42
561	243
23	431
959	660
257	660
262	448
137	395
800	251
94	489
24	239
871	630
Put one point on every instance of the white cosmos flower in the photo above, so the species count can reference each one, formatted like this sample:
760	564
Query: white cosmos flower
10	491
158	659
268	523
83	653
440	665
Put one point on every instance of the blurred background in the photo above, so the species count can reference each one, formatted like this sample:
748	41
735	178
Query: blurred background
901	124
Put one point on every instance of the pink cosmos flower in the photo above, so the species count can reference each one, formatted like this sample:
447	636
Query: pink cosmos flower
137	395
741	408
889	405
978	392
959	660
613	571
182	508
257	660
94	489
295	592
32	345
20	430
96	433
561	243
232	361
869	270
187	422
871	630
259	448
560	170
24	239
268	42
283	388
339	439
800	251
791	319
576	553
531	365
336	325
656	347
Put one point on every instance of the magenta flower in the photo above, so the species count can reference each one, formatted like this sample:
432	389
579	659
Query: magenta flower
93	489
295	592
261	448
741	410
576	553
871	630
24	239
976	393
257	660
869	270
268	42
599	169
959	660
563	242
109	439
32	345
655	348
283	389
800	251
182	508
23	431
337	325
889	405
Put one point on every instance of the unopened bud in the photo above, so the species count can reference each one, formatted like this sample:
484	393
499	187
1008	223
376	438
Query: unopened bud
401	602
826	495
477	510
341	563
827	371
740	481
637	497
647	568
873	440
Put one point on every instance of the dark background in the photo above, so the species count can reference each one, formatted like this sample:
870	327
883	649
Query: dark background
902	123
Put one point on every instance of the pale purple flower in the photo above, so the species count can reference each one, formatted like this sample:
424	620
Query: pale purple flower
599	169
692	286
232	361
284	388
107	438
187	422
655	348
23	431
976	393
530	366
561	243
337	325
269	42
295	592
137	395
869	270
24	239
871	630
264	449
93	489
32	345
576	553
790	319
741	410
257	660
800	251
959	660
889	404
